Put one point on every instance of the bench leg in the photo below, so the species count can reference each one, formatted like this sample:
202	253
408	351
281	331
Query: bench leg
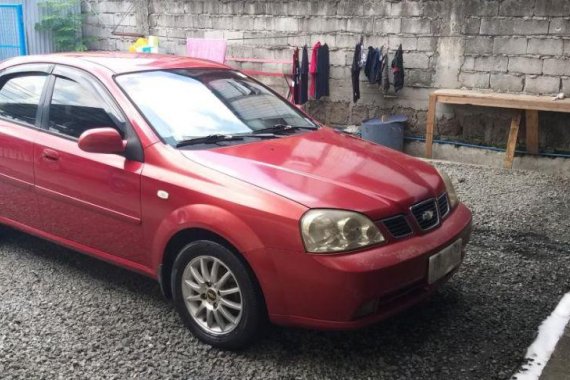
430	124
512	143
532	131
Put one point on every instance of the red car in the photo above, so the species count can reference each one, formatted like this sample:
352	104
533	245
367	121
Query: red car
240	205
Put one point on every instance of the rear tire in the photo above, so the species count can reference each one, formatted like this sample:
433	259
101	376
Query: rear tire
216	295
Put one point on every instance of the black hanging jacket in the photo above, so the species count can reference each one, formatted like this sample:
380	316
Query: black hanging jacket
398	69
355	72
323	70
368	65
378	66
304	77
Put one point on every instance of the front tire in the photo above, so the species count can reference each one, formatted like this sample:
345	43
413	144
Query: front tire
216	295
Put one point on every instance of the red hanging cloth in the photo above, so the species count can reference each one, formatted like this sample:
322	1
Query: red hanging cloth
313	69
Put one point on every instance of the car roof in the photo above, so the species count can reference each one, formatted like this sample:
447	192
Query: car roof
119	62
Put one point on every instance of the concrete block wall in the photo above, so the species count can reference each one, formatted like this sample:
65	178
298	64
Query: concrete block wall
520	46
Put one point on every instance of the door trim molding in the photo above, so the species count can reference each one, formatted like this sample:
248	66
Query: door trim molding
16	181
81	203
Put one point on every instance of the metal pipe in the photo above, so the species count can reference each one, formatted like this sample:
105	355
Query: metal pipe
492	148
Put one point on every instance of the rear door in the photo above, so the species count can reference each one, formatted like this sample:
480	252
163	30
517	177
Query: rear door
21	91
89	198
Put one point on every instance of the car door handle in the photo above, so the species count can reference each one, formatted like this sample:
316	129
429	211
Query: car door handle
50	154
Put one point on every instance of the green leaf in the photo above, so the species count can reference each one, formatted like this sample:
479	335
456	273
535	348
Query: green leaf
65	25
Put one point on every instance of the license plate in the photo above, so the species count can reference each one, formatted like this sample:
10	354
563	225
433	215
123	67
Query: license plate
444	261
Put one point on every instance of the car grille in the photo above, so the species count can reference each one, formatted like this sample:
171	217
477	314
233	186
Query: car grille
443	205
398	226
426	214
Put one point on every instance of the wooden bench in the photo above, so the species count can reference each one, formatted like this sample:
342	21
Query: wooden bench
528	103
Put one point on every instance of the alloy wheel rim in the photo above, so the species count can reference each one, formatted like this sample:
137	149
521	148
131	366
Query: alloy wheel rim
212	295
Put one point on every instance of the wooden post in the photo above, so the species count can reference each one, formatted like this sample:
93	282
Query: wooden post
430	124
532	131
512	143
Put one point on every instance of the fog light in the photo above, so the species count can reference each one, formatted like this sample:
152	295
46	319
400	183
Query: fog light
368	308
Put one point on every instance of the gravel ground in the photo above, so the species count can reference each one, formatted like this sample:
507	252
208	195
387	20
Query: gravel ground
64	315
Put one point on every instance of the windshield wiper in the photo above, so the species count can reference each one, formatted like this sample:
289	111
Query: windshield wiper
216	138
281	128
210	139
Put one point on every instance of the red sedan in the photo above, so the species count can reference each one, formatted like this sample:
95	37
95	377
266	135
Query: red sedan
240	205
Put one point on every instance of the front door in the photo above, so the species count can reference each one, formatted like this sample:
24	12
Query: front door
89	198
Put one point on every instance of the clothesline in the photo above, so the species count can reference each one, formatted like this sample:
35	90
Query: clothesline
377	69
267	37
381	36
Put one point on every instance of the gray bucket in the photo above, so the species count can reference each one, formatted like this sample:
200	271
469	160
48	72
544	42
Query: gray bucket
388	132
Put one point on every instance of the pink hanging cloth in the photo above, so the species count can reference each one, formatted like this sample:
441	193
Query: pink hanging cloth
212	49
313	69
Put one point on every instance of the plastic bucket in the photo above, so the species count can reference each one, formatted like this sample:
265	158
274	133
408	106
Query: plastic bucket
388	132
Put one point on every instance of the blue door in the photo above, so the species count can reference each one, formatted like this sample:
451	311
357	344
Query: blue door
12	34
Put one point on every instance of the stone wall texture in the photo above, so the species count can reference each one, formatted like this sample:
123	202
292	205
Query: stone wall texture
518	46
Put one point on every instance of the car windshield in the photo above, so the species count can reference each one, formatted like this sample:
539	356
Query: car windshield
188	103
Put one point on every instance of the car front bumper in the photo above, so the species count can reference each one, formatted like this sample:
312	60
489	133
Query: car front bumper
353	290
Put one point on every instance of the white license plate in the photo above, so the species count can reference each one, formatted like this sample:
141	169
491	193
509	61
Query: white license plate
444	261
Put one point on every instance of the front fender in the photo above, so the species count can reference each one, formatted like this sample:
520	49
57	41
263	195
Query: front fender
233	229
207	217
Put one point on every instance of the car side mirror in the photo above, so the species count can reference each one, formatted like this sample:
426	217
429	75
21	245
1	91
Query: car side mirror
102	140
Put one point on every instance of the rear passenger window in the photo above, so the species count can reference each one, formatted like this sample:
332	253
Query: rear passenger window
75	109
20	96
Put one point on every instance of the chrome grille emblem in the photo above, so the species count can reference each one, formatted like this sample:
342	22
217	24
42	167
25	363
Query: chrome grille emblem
427	215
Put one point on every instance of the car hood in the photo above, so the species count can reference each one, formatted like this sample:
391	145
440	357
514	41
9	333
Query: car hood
328	169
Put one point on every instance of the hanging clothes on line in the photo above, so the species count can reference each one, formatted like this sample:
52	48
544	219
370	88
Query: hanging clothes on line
369	59
385	73
296	76
362	54
355	72
398	69
313	69
376	67
323	71
304	76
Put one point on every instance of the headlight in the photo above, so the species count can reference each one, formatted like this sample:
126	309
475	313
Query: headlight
329	231
451	194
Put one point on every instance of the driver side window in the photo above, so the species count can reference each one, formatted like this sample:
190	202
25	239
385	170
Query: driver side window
75	109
